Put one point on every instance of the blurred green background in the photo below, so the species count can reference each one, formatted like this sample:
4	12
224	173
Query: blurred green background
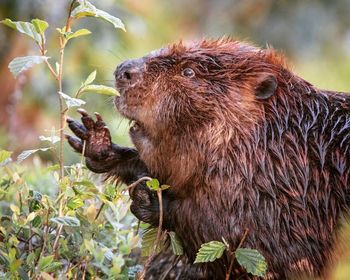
314	35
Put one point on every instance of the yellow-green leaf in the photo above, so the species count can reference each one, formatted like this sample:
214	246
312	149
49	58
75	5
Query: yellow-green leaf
40	25
210	251
100	89
78	33
4	156
86	9
26	28
252	261
90	78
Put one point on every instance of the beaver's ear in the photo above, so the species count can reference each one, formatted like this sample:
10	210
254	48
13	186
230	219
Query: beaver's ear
266	87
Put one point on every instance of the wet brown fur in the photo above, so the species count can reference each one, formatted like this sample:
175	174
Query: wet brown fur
278	167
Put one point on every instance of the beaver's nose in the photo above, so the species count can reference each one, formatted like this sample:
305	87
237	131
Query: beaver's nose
129	72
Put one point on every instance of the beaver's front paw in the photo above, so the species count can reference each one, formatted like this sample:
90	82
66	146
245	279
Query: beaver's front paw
99	151
145	204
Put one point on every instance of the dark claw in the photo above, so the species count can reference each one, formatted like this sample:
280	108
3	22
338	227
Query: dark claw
98	117
78	129
75	143
82	112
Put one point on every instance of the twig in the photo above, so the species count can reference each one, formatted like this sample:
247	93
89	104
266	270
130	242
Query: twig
133	185
232	254
159	235
63	111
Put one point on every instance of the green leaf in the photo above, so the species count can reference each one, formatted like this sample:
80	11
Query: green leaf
164	187
4	157
86	9
90	78
153	184
210	251
70	101
20	64
148	241
26	28
22	156
66	221
78	33
74	203
252	261
45	262
100	89
176	244
40	25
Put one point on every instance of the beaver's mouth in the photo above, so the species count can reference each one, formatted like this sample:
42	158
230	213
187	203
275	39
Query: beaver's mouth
135	125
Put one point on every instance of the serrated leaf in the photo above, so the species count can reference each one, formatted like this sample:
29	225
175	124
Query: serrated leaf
210	251
53	139
86	9
66	221
40	25
176	244
20	64
252	261
100	89
78	33
4	156
70	101
26	28
44	262
22	156
153	184
148	241
90	78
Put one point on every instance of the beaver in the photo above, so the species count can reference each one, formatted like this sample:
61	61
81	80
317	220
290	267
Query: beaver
245	144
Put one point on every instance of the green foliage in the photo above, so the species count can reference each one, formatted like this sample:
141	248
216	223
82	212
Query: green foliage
20	64
86	9
34	29
100	89
148	242
210	251
176	244
98	231
4	156
70	101
25	154
57	221
252	261
155	186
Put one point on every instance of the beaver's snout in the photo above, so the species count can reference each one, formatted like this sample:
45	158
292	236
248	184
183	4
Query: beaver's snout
129	73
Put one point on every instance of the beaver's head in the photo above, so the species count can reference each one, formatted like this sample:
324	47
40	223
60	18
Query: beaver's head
184	88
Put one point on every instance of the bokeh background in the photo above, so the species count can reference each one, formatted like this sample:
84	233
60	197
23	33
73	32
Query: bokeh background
314	36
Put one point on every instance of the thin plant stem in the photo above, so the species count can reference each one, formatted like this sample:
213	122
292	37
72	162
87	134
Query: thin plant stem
232	254
158	238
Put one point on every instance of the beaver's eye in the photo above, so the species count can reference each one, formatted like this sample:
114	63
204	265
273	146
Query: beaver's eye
188	72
